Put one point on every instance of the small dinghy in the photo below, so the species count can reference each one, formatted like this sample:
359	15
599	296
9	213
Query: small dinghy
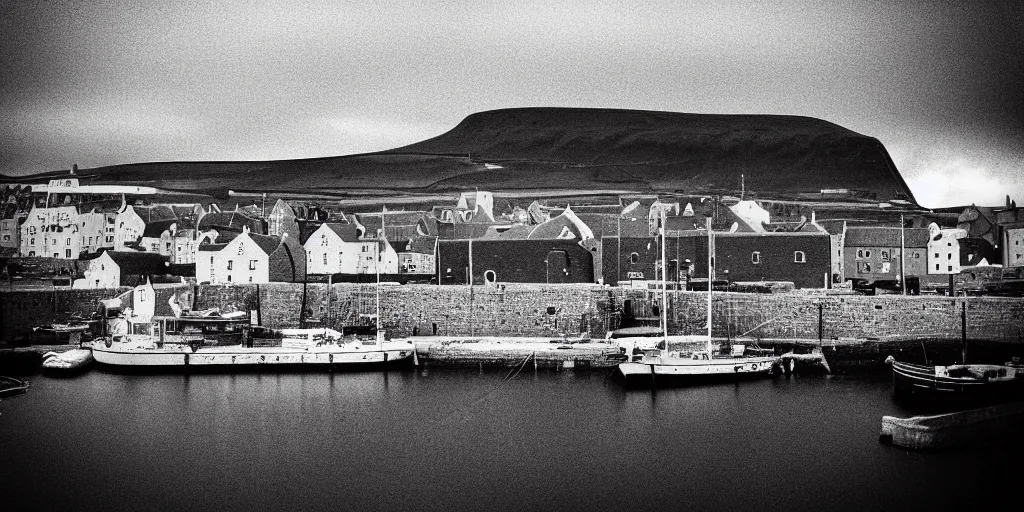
73	359
9	386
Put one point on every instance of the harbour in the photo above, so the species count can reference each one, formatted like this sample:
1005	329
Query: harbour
454	439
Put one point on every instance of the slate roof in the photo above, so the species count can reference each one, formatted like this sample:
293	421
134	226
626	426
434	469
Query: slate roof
230	220
421	245
156	228
139	263
155	213
885	237
268	244
347	232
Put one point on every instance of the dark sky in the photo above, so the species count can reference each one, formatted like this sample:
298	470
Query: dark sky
98	83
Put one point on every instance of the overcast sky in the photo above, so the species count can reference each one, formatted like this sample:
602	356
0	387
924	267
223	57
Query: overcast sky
98	83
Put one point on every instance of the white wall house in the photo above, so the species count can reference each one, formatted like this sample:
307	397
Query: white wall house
944	249
52	233
250	258
128	225
96	230
338	249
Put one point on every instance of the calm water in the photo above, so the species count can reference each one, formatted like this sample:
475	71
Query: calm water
460	440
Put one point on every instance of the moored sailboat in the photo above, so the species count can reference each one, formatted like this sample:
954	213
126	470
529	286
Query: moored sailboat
701	365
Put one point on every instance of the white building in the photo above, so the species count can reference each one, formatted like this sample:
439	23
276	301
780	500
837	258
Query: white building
251	258
52	233
338	249
129	227
944	249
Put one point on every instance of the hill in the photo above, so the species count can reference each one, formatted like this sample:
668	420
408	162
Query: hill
575	149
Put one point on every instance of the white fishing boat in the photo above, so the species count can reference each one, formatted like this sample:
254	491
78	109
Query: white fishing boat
148	350
699	365
226	340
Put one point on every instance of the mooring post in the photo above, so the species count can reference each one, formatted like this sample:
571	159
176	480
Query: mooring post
821	322
963	332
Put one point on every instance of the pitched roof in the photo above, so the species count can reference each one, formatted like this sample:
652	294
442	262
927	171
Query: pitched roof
155	213
347	232
268	244
230	220
139	263
156	228
421	244
885	237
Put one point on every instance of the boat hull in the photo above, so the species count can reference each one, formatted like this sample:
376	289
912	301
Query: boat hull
697	370
919	383
225	357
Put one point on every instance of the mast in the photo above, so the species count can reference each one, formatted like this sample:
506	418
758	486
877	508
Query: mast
376	269
903	249
664	279
711	248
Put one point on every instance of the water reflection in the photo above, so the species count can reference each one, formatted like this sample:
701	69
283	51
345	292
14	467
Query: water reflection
374	440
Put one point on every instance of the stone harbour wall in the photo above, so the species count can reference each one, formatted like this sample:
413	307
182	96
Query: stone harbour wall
566	310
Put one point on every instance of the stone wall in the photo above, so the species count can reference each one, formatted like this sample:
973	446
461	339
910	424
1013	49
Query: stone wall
22	310
572	309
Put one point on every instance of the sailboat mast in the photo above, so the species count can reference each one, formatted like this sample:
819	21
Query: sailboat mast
664	279
711	249
376	269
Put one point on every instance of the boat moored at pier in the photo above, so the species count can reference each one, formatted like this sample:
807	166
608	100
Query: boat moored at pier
955	384
147	351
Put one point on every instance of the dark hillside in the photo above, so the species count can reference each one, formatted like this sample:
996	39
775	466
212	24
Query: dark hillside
535	149
669	151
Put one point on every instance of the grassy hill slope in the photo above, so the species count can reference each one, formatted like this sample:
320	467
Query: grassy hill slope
560	148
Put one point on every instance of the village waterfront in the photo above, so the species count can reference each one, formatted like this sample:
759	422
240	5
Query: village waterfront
442	439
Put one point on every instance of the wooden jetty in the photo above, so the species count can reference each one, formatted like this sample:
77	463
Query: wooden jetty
953	429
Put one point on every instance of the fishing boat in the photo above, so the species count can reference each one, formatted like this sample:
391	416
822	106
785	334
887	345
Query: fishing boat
212	339
955	384
660	363
9	386
147	350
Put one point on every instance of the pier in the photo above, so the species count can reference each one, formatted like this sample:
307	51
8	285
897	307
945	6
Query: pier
955	429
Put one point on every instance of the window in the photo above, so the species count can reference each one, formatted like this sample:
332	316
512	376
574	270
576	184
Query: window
864	267
490	276
867	253
884	255
917	255
325	258
323	240
800	257
252	266
230	264
250	279
69	242
67	253
634	257
949	256
950	268
860	253
755	257
211	260
33	242
936	267
7	238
